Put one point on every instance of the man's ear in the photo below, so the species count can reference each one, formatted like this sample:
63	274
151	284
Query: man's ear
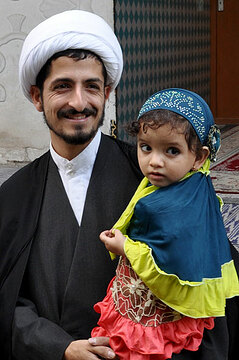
107	92
36	97
200	159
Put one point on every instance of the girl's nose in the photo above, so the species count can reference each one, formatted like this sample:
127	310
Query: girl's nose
156	161
78	99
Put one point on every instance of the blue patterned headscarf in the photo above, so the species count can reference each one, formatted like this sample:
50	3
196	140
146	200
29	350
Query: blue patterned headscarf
193	108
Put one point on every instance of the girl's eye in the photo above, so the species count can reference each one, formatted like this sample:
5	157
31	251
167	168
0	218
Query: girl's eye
173	151
145	147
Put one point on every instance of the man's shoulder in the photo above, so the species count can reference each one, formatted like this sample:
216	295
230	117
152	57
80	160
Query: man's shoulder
27	174
125	148
118	142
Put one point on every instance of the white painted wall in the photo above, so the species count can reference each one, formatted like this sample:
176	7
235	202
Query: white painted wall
23	134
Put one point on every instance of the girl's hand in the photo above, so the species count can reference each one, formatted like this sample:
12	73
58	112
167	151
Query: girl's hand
113	241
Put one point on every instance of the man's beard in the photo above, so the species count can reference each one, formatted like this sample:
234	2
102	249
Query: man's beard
79	137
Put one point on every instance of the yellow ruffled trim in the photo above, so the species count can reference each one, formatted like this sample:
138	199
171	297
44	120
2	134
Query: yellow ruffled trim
193	299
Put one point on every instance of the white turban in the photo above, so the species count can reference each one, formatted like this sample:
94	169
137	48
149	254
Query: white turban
74	29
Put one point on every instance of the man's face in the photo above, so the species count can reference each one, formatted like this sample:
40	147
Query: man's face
72	101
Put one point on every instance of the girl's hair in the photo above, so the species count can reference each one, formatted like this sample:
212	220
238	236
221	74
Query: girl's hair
156	118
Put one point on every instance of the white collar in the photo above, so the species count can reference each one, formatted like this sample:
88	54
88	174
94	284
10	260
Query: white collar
82	162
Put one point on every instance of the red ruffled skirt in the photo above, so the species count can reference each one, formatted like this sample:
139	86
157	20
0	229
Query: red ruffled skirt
139	325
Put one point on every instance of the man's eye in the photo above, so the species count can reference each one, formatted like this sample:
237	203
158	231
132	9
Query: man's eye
145	148
94	86
61	86
173	151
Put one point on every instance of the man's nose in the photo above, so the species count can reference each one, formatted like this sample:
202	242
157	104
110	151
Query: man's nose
78	99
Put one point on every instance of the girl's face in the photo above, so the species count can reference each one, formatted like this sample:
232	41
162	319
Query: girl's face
164	156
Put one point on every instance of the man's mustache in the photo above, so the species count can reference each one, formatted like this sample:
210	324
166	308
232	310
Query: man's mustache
69	112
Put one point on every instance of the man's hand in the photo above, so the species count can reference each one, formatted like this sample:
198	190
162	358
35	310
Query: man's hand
92	349
113	241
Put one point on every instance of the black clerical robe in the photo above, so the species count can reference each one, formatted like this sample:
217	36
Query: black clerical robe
114	178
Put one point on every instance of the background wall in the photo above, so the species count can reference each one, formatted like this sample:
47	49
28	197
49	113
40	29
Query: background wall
23	134
165	43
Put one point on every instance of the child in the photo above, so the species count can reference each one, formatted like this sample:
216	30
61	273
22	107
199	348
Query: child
175	271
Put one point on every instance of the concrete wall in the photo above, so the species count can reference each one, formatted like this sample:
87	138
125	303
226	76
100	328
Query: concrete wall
23	134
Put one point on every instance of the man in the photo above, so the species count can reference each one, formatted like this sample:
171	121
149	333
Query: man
53	268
